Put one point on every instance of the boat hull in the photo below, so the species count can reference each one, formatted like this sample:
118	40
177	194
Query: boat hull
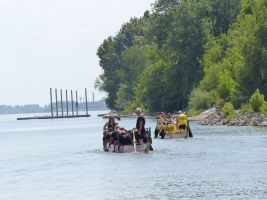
129	148
177	135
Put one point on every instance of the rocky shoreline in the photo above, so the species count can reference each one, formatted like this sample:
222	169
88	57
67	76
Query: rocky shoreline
247	119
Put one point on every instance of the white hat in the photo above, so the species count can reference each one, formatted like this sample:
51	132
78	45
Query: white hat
180	112
138	110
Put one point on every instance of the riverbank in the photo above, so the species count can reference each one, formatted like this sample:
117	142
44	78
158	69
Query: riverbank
246	119
199	117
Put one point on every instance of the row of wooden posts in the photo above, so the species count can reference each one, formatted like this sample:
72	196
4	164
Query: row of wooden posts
72	108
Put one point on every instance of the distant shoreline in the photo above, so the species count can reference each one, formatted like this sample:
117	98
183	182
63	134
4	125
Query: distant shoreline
49	112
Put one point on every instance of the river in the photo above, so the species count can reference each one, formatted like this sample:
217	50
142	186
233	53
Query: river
63	159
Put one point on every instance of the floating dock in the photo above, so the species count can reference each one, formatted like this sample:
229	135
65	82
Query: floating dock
62	116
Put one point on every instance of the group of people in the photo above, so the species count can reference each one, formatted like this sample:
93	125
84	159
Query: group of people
171	125
117	135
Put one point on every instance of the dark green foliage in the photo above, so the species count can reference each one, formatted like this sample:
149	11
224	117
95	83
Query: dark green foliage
200	100
218	47
222	13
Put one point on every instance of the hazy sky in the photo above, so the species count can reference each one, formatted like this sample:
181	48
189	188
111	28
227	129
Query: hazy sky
52	44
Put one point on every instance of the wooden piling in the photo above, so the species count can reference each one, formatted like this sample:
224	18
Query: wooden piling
67	102
62	116
51	102
76	102
86	101
72	102
61	102
56	102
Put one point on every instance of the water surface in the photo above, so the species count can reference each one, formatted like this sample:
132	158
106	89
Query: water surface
63	159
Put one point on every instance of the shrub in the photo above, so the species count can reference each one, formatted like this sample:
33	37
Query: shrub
228	110
256	101
199	99
245	107
263	108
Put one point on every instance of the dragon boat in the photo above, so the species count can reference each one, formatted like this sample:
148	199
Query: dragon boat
132	146
169	131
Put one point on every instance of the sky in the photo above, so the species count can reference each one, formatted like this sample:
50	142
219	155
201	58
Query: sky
53	43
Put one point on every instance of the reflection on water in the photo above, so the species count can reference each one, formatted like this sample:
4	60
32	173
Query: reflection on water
63	159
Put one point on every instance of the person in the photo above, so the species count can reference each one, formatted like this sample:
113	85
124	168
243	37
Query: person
156	132
212	106
106	137
105	133
162	117
140	125
114	138
124	138
181	121
110	124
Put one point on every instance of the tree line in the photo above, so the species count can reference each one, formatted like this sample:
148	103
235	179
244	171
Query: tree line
35	108
196	51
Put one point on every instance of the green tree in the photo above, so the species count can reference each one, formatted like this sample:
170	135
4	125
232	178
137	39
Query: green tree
222	13
180	32
226	85
200	100
134	62
256	100
111	55
108	81
217	47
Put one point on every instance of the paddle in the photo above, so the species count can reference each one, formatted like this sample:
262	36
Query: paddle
134	141
149	140
189	129
119	142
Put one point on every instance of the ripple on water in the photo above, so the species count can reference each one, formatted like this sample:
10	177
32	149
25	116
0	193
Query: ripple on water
61	159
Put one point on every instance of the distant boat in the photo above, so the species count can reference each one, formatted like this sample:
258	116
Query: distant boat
100	115
111	115
106	115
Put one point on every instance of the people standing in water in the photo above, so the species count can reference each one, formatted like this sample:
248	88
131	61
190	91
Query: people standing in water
181	121
140	125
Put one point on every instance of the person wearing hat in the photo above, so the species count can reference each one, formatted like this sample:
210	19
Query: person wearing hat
140	125
181	121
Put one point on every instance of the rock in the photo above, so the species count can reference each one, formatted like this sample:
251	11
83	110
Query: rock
263	123
246	119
